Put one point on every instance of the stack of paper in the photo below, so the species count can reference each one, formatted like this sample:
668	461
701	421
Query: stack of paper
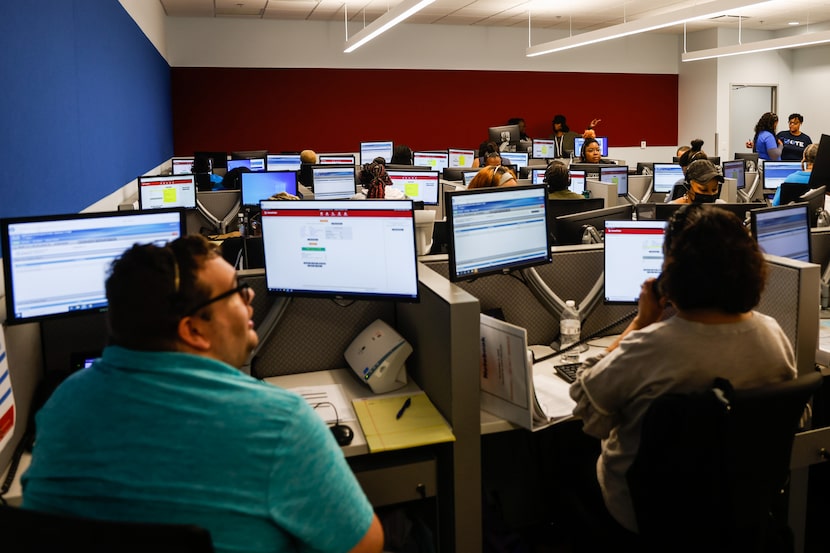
388	425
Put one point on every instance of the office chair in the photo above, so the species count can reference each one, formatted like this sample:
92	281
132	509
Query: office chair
712	467
28	531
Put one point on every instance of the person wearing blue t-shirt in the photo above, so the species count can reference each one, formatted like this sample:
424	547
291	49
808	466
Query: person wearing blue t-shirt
800	177
164	427
764	142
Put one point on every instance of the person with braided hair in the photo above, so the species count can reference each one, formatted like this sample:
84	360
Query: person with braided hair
376	182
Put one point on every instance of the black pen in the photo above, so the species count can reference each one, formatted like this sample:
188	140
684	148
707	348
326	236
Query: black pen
403	408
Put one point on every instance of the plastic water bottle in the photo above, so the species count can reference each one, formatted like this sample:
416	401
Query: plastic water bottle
569	329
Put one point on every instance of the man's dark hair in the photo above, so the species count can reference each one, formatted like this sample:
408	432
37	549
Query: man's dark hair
711	261
796	116
557	176
150	288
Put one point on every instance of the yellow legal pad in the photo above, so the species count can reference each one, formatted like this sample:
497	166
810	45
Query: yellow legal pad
420	423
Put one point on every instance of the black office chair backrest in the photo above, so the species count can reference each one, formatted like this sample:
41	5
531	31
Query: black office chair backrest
711	466
28	531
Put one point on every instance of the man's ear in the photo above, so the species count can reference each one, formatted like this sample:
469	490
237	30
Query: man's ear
190	333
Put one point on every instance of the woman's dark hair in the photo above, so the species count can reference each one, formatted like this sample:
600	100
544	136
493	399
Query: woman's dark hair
150	288
233	178
373	176
560	119
765	123
711	261
693	154
557	176
401	155
486	148
588	142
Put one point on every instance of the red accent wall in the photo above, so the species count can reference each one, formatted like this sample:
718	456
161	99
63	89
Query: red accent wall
332	110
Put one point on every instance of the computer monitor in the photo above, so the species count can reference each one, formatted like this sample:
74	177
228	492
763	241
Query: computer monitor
790	192
603	145
735	169
645	168
167	191
333	182
543	148
255	164
558	208
656	211
577	181
340	248
570	228
537	176
509	134
435	160
211	160
56	265
783	230
820	174
633	252
665	176
591	169
249	154
371	150
776	172
336	159
616	174
181	165
262	185
461	158
751	159
283	162
814	199
496	230
455	173
420	186
519	159
468	176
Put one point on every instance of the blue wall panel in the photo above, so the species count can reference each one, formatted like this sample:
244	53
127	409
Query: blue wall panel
85	104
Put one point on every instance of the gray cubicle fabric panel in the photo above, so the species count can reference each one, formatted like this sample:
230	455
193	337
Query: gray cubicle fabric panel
313	334
780	298
820	246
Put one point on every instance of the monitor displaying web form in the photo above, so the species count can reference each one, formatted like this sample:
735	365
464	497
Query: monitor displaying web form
435	160
371	150
283	162
496	230
603	145
56	265
336	159
167	191
783	230
181	165
577	181
468	176
735	169
776	172
255	164
543	148
617	174
665	176
519	159
537	176
340	248
633	252
461	158
261	186
333	182
420	186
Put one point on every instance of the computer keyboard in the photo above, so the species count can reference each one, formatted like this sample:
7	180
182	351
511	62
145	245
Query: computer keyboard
567	372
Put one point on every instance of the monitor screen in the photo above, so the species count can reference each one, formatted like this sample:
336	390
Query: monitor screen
537	176
340	248
571	228
181	165
633	252
57	265
434	160
211	160
783	230
336	159
263	185
505	134
665	176
519	159
333	182
256	164
775	172
283	162
603	145
468	176
371	150
461	158
616	174
420	186
167	191
735	169
495	230
577	181
543	148
656	212
820	175
558	208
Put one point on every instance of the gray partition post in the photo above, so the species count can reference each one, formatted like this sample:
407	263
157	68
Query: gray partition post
444	332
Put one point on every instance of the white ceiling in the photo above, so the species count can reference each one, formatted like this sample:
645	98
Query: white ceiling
574	15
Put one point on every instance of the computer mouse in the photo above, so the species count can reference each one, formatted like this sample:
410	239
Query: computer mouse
343	434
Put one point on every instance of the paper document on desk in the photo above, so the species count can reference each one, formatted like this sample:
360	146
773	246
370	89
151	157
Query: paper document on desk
329	401
401	422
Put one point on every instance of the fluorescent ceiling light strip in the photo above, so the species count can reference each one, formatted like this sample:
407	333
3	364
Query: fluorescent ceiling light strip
700	11
385	22
795	41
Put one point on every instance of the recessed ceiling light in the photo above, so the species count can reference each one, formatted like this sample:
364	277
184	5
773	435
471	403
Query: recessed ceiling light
793	23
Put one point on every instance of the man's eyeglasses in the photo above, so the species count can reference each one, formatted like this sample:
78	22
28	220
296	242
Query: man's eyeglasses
244	291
